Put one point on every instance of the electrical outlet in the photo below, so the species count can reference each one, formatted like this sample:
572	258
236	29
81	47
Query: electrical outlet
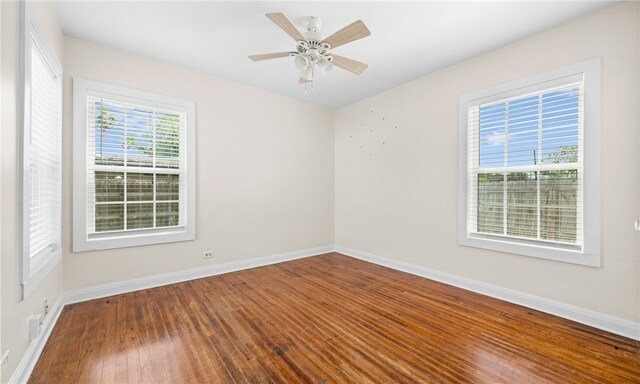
5	360
35	326
208	254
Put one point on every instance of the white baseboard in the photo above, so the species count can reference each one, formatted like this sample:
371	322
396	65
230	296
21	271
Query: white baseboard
589	317
116	288
32	354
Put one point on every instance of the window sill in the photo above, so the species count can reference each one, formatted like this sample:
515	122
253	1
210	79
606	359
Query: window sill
125	240
533	250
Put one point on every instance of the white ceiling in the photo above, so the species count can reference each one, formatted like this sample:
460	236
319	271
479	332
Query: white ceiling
408	39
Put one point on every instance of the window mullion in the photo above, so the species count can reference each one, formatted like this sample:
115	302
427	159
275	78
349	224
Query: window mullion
101	125
126	182
538	208
154	125
120	168
126	166
154	186
505	200
154	138
531	168
125	138
538	160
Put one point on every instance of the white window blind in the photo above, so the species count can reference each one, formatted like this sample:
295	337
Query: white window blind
135	174
41	179
137	166
525	166
44	159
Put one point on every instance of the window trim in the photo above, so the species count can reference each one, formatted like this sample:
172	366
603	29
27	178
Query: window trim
33	272
590	254
81	240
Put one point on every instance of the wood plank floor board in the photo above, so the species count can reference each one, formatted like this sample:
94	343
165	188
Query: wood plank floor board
325	319
299	363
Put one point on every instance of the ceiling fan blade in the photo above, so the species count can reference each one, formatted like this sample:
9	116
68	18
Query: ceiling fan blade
267	56
304	81
281	21
354	31
350	65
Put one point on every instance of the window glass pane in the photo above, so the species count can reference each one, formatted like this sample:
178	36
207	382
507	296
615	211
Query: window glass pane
109	217
139	186
139	140
139	215
560	125
492	140
109	186
167	214
522	200
558	200
109	134
522	120
167	128
490	203
167	187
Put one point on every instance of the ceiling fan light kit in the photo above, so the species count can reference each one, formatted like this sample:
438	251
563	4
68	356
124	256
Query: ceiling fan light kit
325	65
302	61
312	48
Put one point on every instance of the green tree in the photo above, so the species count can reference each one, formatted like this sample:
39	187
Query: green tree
166	128
129	142
563	154
105	120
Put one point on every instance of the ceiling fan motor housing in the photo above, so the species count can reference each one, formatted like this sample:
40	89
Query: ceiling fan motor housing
312	51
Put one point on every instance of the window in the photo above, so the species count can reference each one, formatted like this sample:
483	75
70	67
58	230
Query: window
134	167
530	165
41	158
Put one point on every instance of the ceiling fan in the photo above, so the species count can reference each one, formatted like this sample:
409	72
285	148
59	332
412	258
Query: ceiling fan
312	48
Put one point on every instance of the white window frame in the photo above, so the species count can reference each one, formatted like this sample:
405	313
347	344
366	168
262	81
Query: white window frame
589	255
82	241
34	270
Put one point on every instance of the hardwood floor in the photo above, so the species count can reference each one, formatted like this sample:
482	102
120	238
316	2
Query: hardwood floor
325	319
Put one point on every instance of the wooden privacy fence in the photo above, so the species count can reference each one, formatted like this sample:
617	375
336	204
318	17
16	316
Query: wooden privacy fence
558	207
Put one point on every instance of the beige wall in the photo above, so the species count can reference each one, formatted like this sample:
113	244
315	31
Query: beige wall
14	331
396	188
264	170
